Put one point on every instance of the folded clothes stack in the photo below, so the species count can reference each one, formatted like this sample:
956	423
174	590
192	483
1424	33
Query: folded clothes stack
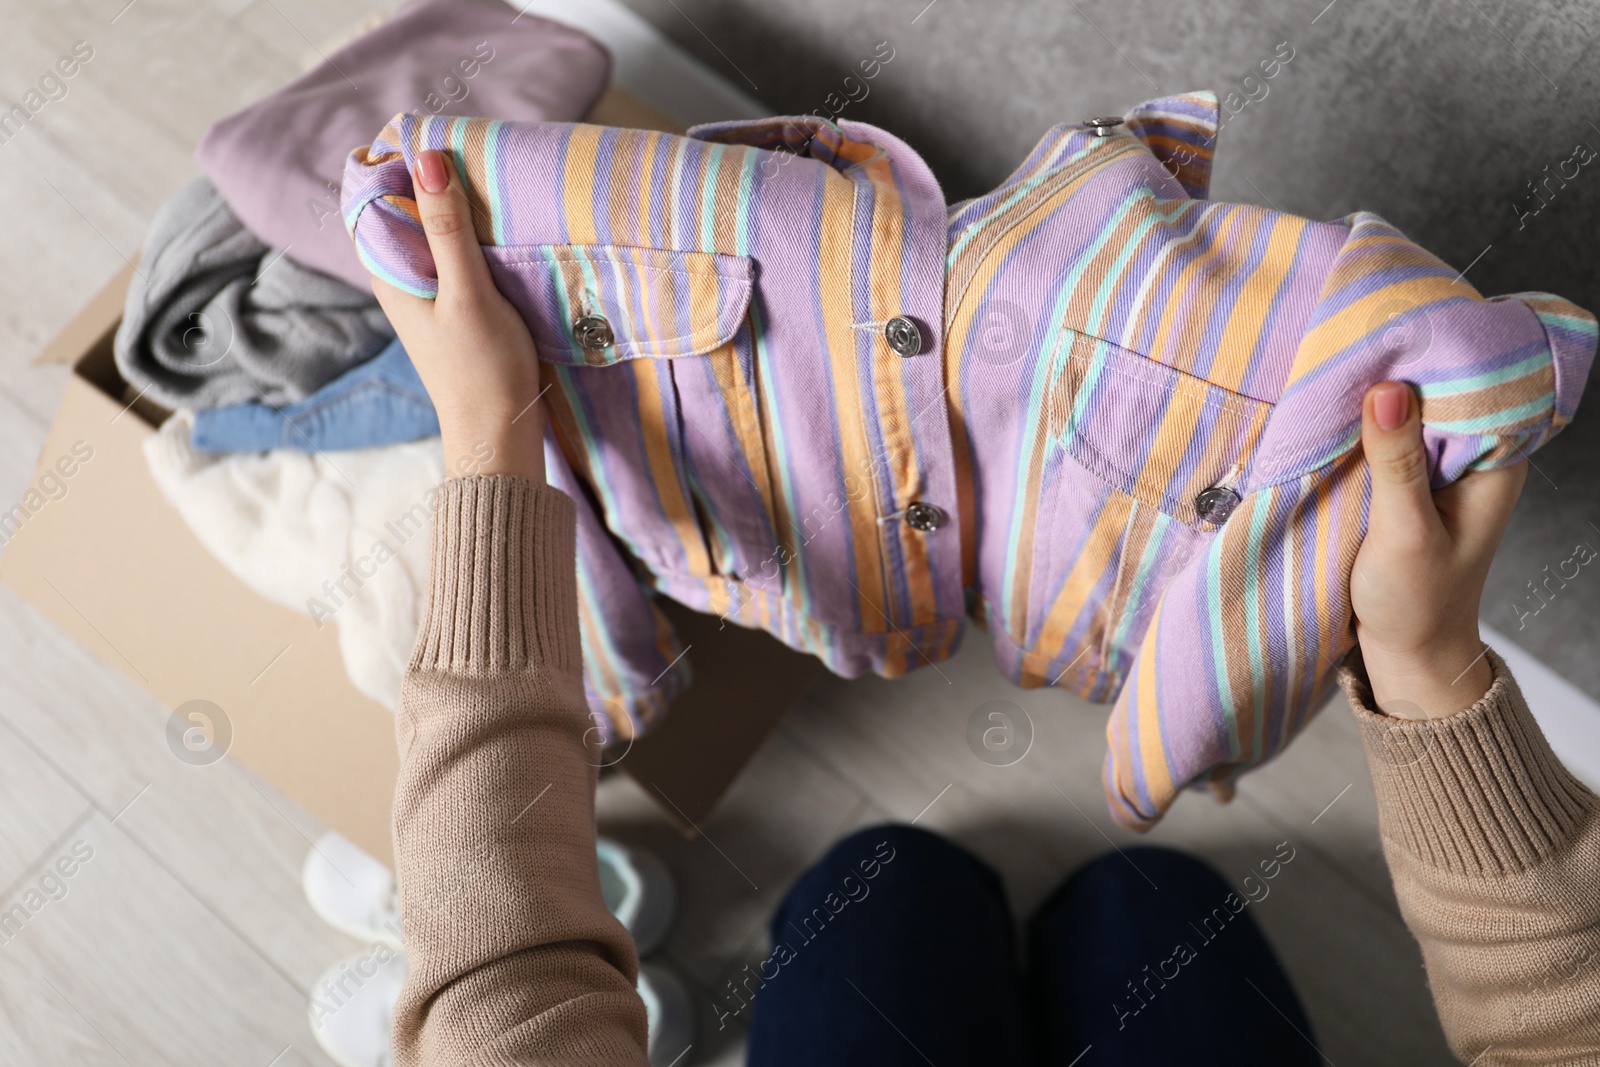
215	317
379	402
303	448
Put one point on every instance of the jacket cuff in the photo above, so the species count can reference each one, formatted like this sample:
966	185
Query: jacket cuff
1570	333
503	580
1478	793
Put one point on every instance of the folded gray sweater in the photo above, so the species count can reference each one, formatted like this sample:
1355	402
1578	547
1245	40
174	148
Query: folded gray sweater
216	317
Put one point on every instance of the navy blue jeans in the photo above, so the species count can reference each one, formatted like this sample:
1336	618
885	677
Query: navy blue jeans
897	950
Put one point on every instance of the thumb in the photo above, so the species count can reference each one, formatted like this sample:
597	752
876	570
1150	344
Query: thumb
447	220
1391	437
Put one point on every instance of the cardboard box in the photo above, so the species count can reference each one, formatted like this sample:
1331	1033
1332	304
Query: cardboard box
114	565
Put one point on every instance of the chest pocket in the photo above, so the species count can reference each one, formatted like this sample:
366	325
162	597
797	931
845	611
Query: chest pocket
1168	439
650	355
1135	463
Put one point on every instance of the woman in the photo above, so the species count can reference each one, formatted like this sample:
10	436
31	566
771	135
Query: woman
1493	846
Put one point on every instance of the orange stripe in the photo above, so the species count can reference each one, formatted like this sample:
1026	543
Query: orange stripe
1079	583
1152	755
578	194
894	418
647	159
654	436
1242	334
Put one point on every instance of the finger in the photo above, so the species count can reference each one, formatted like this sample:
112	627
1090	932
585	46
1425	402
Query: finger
447	220
402	309
1478	508
1391	437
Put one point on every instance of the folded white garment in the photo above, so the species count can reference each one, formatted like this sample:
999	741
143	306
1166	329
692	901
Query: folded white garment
343	538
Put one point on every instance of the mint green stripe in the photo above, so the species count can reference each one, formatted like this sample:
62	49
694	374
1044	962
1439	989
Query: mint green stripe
1457	386
457	131
1045	372
1570	322
383	272
1111	285
796	586
708	199
1252	635
742	219
1219	654
491	168
1498	419
1152	549
602	487
1005	205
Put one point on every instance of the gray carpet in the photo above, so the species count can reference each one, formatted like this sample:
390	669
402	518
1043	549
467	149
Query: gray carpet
1436	115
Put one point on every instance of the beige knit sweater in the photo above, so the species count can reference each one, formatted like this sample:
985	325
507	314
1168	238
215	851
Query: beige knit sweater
514	959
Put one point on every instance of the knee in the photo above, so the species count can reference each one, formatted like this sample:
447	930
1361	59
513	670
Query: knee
907	849
1144	864
1137	874
909	862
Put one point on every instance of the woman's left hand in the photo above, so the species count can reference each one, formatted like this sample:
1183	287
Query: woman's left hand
1420	571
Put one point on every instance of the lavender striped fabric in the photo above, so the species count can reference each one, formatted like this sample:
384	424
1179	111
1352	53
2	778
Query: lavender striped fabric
1127	444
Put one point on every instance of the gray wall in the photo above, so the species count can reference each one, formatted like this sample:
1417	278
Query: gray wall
1435	115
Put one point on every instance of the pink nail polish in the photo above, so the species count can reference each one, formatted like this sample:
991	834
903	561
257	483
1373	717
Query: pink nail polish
1391	405
430	171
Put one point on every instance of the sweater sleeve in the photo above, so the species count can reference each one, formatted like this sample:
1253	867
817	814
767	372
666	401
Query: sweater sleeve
513	956
1494	848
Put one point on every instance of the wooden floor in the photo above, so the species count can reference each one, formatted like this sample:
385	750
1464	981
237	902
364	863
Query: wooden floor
182	937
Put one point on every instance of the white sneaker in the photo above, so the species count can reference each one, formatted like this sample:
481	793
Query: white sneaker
351	891
352	1007
666	1004
638	890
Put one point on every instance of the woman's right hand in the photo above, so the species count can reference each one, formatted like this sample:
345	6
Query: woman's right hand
470	346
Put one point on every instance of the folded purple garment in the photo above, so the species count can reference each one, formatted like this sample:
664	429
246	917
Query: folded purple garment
278	163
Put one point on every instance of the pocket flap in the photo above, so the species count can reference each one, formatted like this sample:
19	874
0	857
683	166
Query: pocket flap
1151	431
595	305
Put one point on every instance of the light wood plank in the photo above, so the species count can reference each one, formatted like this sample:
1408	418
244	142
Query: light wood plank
155	975
78	235
1321	788
230	839
37	805
21	436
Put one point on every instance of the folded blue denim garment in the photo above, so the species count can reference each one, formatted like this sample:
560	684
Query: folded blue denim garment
380	402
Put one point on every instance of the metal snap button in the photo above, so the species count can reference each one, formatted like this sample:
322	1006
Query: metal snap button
1216	504
1103	127
924	517
592	333
903	336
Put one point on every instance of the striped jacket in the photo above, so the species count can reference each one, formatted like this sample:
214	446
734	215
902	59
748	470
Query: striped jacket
1111	421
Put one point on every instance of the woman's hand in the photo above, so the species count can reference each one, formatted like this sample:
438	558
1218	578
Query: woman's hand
470	346
1419	574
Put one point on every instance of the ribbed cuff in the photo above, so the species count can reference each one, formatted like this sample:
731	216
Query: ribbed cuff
503	579
1478	793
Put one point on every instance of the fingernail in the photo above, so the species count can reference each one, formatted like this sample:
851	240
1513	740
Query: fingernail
430	171
1391	405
